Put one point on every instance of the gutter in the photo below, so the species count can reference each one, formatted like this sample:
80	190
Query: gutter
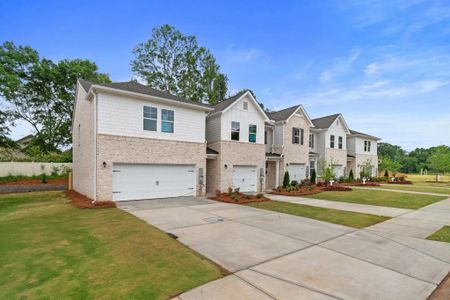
95	99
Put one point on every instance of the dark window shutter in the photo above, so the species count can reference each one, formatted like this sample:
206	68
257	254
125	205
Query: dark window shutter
293	135
301	136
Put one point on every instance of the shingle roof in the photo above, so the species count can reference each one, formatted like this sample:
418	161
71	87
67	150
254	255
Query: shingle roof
222	105
353	132
271	154
283	114
135	87
324	122
211	151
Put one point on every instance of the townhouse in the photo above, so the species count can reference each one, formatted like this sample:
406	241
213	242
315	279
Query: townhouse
134	142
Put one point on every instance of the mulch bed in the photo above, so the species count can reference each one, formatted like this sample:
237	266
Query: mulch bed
337	188
81	201
316	190
25	181
399	182
241	199
361	184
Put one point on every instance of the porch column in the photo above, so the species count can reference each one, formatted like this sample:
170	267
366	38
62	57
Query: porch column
277	173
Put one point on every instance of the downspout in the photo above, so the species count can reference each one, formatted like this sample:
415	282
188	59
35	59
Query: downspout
95	146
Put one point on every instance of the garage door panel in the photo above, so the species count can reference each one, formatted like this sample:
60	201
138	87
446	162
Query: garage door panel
244	178
152	181
297	172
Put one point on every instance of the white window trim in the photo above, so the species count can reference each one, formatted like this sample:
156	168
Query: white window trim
167	121
153	119
255	133
238	130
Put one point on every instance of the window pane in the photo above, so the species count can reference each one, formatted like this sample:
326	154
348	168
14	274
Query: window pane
252	138
235	126
150	112
235	135
149	124
166	126
252	129
167	115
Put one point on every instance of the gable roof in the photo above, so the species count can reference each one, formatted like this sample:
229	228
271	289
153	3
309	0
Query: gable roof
357	133
225	104
136	87
325	122
222	105
283	114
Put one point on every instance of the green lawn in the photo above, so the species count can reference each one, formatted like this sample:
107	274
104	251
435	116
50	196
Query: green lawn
442	235
422	180
51	250
380	198
341	217
417	188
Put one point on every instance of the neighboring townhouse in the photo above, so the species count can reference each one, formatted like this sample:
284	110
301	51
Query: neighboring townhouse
362	152
328	142
236	150
286	139
133	142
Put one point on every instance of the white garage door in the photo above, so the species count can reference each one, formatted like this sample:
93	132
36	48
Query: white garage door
338	171
244	178
297	172
131	182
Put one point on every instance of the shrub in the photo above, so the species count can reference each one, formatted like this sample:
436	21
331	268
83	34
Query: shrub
294	183
236	190
259	195
44	178
218	192
230	191
235	197
351	177
319	183
279	189
401	178
386	174
286	179
313	176
248	197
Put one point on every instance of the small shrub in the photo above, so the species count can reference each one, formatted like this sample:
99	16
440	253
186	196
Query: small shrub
279	189
44	178
386	174
286	179
236	190
230	191
248	197
313	176
235	197
401	178
320	184
310	188
294	183
259	195
351	177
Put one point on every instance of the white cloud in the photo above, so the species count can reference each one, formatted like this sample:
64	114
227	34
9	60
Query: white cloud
341	65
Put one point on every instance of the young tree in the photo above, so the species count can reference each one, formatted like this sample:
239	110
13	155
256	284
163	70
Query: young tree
351	176
313	176
286	179
385	163
173	62
42	92
440	160
5	141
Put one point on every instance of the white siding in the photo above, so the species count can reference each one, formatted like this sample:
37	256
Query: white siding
351	145
278	141
337	130
213	128
269	144
83	138
122	116
359	146
252	116
313	149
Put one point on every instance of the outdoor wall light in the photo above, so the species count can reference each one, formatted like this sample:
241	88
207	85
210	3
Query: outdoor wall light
226	166
287	164
104	164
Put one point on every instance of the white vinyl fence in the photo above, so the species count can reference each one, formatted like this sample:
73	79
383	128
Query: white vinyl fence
32	168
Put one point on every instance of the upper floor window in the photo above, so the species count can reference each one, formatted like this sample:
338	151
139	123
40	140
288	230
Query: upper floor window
311	140
340	141
367	145
331	141
167	120
235	129
245	105
150	118
297	136
252	133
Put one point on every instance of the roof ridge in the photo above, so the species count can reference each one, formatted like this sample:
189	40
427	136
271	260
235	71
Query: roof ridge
337	114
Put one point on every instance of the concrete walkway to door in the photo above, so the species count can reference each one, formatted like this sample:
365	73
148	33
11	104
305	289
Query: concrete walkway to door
280	256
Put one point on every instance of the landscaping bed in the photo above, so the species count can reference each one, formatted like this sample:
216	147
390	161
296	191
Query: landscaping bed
337	188
358	183
310	189
35	181
81	201
399	182
238	198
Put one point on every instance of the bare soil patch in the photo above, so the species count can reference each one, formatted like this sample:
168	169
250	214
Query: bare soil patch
82	201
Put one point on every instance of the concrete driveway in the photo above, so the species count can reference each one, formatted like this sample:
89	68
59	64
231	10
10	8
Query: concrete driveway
279	256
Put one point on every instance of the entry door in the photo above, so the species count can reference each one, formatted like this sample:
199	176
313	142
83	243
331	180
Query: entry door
144	181
244	178
297	172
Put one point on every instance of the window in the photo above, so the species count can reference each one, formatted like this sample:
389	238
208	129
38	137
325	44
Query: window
235	129
295	136
245	105
367	145
252	133
331	141
340	142
312	166
311	140
150	117
167	120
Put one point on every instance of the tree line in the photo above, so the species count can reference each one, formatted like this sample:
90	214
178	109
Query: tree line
394	158
41	92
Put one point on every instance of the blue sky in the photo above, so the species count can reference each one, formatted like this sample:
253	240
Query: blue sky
385	65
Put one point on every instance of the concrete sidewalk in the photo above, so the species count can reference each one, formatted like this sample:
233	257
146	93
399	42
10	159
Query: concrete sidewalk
280	256
360	208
